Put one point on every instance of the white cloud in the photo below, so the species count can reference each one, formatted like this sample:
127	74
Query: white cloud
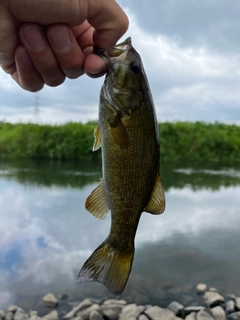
189	82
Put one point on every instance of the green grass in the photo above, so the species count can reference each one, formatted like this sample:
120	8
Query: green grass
181	141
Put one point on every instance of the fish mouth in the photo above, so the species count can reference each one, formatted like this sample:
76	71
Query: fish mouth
113	51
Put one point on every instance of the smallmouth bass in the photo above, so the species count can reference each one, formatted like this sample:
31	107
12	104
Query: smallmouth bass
131	184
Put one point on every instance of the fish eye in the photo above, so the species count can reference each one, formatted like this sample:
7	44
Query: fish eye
135	67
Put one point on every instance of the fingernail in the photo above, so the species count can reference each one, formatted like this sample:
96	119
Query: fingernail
25	59
60	39
96	73
35	38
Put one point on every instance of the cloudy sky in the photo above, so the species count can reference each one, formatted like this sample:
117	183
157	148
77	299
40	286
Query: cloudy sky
191	53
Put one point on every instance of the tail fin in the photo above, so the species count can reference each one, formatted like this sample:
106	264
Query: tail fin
109	266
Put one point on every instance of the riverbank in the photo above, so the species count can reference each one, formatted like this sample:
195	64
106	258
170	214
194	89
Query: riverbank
180	141
214	306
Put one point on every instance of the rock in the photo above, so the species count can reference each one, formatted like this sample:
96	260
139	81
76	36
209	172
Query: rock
204	315
20	314
218	313
143	317
176	308
81	306
111	311
191	316
63	296
2	314
12	308
230	306
131	311
53	315
49	300
77	318
95	315
115	301
190	309
9	316
156	313
213	299
85	312
231	297
234	316
201	288
237	303
33	313
34	317
213	290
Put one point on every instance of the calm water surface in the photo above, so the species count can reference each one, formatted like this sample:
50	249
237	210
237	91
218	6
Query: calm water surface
46	234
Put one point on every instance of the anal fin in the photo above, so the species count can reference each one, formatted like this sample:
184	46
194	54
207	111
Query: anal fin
156	204
96	202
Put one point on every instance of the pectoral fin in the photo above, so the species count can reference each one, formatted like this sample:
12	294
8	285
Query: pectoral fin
156	204
96	202
118	130
97	138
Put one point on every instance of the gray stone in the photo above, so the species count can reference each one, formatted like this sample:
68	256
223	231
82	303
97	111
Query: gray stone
32	313
20	314
237	303
191	316
53	315
213	299
213	290
234	316
49	300
95	315
231	296
12	308
111	311
196	309
156	313
63	296
9	316
230	306
204	315
77	318
143	317
115	301
34	317
176	308
131	311
86	303
85	312
201	288
218	313
2	314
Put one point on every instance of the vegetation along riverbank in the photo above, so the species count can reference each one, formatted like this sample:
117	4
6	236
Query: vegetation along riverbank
179	141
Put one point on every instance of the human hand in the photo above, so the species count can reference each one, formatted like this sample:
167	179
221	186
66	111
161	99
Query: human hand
45	41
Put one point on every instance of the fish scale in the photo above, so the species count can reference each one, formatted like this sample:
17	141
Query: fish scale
129	138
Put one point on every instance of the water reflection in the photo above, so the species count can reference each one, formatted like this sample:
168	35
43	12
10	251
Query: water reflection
46	233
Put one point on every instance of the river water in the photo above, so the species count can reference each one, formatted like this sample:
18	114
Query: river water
46	234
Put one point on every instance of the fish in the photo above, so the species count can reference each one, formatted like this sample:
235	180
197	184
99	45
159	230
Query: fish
128	135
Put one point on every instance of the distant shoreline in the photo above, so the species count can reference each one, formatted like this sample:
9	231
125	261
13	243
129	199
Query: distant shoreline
179	141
